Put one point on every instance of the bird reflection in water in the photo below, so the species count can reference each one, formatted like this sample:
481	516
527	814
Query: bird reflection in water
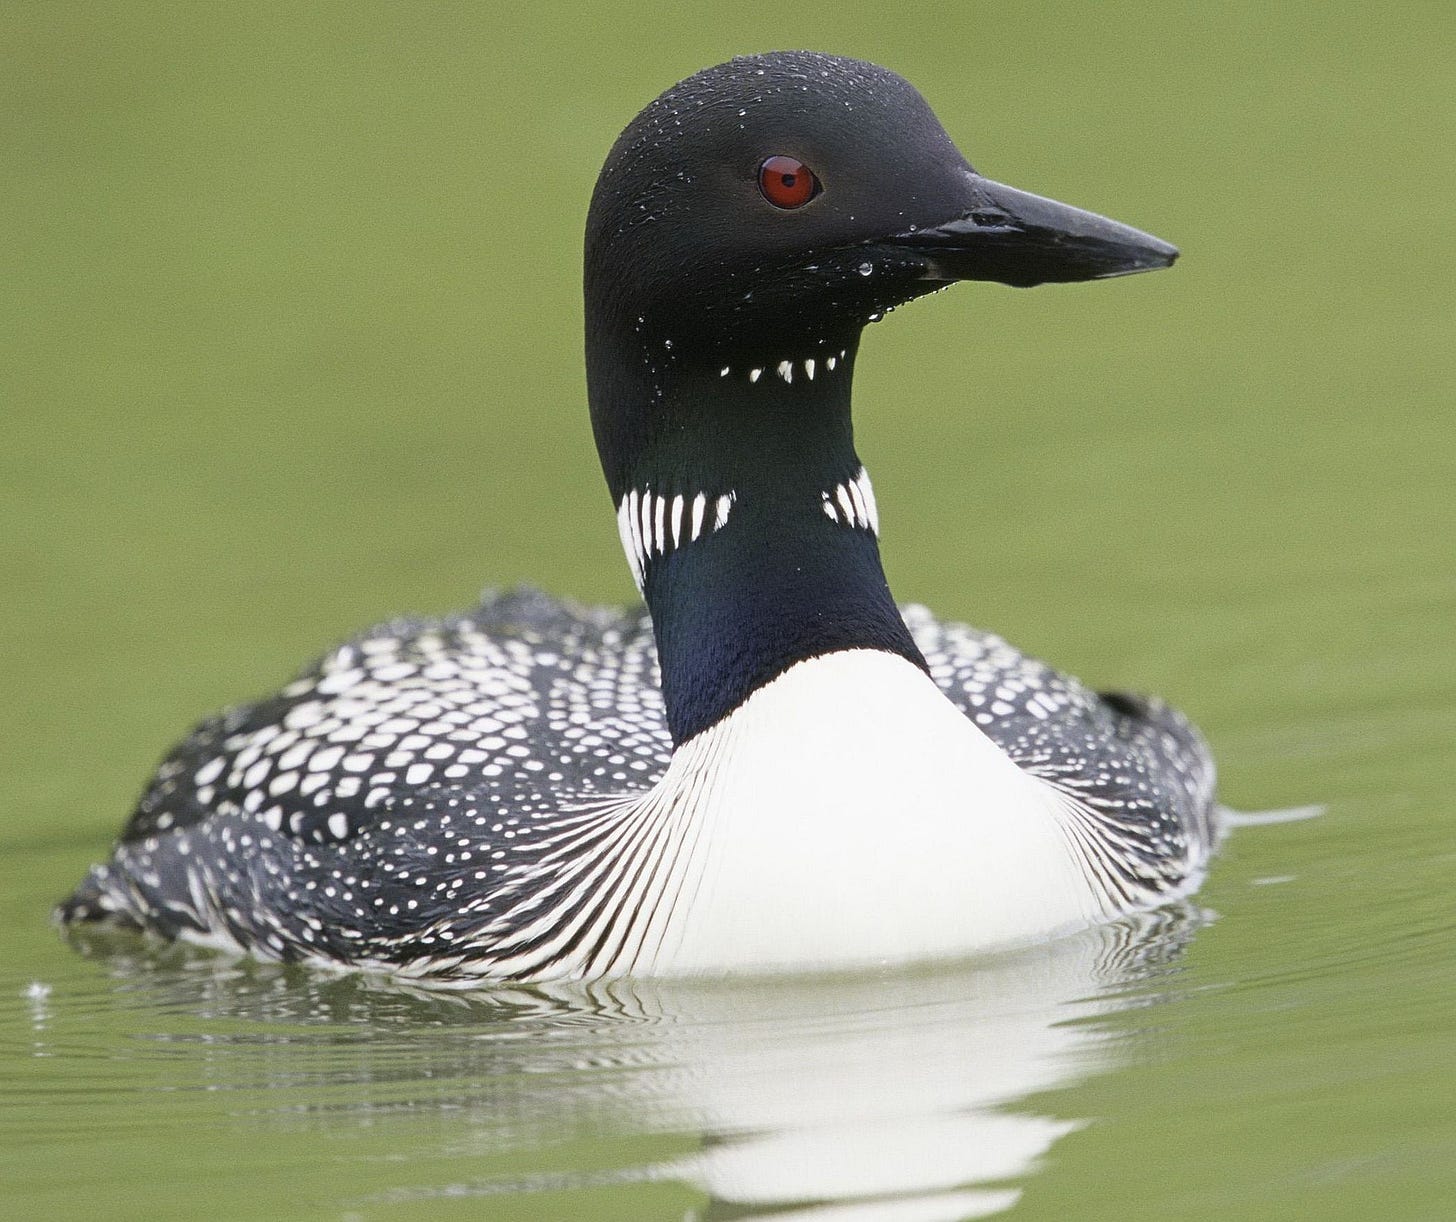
894	1096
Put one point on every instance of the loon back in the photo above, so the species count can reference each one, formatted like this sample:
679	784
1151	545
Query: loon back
776	766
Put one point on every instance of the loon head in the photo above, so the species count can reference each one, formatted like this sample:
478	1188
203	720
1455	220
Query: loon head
745	228
767	208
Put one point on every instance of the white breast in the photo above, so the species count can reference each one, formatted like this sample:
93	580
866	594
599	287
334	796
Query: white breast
847	813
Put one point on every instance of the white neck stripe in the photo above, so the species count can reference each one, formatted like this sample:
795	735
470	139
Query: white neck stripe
853	503
650	524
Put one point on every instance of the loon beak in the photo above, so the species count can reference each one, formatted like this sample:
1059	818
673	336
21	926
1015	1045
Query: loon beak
1021	239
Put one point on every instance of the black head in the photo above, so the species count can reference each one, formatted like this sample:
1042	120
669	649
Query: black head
746	226
721	253
773	196
771	206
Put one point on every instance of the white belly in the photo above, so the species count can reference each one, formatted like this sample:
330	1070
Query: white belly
850	814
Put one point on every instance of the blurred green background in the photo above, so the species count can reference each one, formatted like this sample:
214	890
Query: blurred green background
290	342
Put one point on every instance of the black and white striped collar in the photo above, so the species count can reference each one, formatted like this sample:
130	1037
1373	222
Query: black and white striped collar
651	524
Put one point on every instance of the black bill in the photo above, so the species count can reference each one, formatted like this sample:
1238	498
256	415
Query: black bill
1016	238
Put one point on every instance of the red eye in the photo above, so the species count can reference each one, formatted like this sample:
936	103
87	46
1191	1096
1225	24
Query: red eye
787	182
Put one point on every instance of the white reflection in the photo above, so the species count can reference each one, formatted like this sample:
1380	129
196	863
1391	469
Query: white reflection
37	996
887	1097
893	1097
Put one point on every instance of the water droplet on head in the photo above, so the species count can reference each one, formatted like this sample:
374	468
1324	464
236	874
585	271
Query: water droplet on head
866	269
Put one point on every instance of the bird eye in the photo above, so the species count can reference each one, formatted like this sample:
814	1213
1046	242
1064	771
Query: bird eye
787	182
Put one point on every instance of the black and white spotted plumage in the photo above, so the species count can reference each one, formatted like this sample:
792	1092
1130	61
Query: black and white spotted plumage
1138	768
396	805
759	772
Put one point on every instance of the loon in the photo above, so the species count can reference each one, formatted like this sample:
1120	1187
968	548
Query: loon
775	767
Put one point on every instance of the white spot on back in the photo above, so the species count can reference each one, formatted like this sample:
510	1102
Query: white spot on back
323	760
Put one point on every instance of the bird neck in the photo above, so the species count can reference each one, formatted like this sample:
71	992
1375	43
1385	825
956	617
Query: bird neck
747	518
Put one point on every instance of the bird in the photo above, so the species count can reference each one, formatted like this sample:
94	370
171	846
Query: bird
769	764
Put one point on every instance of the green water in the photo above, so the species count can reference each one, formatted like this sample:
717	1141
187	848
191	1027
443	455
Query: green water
290	336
